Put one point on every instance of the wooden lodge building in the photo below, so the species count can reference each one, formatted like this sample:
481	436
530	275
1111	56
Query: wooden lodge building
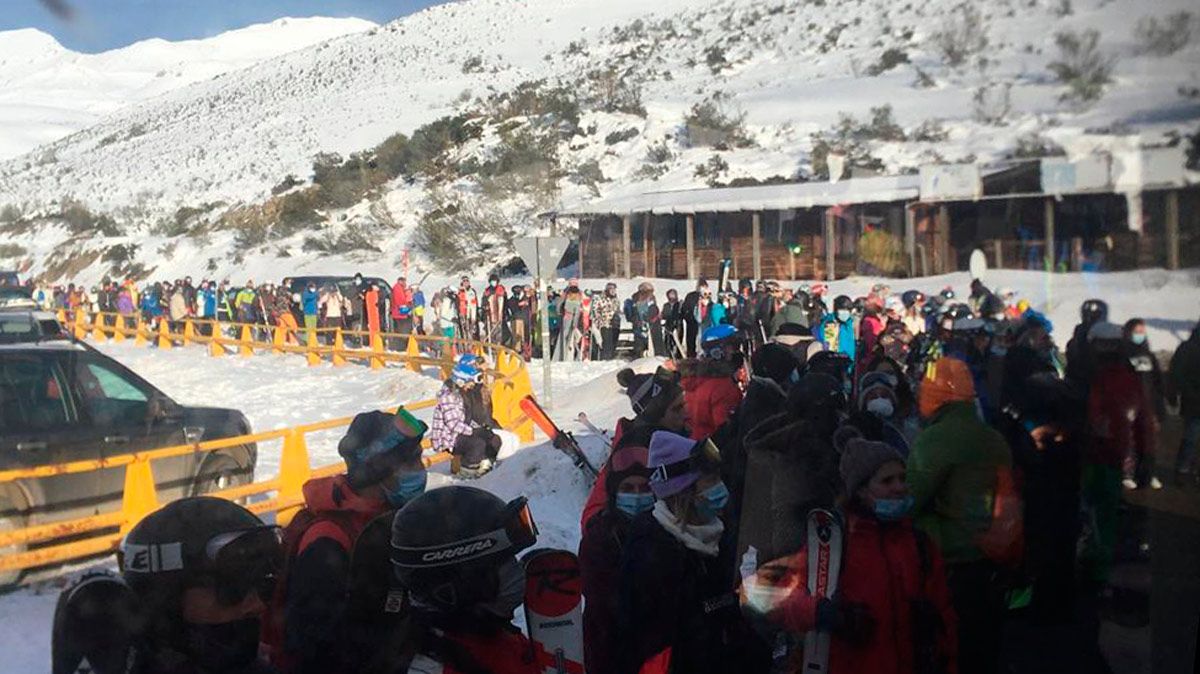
1104	213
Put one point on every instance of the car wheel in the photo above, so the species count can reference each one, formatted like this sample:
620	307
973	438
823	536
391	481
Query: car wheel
9	522
220	471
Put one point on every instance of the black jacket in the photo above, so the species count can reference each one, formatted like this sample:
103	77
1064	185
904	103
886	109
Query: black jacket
1185	374
675	598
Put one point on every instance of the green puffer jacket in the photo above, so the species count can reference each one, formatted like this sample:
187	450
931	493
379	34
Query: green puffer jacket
952	472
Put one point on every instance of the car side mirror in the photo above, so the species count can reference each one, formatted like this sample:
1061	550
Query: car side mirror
160	408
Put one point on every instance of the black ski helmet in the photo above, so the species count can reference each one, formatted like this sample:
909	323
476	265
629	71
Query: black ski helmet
449	544
200	541
817	395
1093	311
842	302
912	297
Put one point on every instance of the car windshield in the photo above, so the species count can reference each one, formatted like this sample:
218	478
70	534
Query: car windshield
17	328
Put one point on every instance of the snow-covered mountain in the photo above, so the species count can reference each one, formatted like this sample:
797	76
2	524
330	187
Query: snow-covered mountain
187	179
48	91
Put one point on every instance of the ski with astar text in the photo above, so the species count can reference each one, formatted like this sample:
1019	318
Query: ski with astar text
824	566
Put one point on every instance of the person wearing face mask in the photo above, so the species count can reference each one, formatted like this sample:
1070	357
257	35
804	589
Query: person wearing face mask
836	331
658	404
627	488
677	608
453	554
957	470
892	611
195	576
384	471
712	381
877	413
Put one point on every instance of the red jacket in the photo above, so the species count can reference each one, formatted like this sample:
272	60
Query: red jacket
881	568
1119	416
711	394
598	498
501	653
401	297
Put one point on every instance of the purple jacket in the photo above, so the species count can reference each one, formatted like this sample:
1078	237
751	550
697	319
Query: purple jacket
449	419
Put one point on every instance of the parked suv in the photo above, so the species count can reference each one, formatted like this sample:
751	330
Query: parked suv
65	401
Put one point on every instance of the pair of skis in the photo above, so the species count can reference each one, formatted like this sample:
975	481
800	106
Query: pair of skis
824	568
562	440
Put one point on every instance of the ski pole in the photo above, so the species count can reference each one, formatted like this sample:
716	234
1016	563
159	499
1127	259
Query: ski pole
583	419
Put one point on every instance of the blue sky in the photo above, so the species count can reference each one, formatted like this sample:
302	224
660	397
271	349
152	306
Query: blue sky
98	25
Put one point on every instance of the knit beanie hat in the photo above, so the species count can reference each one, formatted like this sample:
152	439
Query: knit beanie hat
948	380
375	445
650	394
774	361
667	448
873	391
861	458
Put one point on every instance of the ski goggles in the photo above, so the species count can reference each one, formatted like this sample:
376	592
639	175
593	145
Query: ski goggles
233	563
628	459
241	562
517	532
705	457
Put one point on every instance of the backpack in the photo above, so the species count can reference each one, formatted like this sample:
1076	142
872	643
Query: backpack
1004	540
274	623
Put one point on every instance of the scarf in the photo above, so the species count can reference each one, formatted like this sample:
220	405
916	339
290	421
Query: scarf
703	538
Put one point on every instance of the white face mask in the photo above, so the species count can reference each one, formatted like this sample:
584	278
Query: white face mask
880	407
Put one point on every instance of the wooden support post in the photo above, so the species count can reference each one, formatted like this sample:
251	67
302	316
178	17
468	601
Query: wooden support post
583	236
910	238
1076	253
791	263
1172	225
998	249
942	242
691	245
626	226
830	245
647	244
756	242
1048	253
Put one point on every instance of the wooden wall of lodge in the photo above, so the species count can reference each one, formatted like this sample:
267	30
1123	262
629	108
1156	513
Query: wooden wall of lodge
1170	238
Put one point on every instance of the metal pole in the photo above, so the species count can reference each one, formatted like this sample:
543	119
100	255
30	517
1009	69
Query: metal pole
547	352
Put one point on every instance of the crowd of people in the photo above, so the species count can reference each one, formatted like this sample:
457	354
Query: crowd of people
976	475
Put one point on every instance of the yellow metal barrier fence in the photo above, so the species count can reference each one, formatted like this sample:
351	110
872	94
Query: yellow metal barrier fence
281	494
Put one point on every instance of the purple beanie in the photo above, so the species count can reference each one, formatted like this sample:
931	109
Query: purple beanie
667	448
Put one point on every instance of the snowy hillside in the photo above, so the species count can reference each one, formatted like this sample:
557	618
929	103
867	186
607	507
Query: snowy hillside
552	102
48	91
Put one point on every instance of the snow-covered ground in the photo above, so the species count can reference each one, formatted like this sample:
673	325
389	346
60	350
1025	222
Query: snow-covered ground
48	91
278	391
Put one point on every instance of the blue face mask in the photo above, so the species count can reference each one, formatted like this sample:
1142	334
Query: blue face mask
1138	338
631	505
892	509
408	487
712	501
843	315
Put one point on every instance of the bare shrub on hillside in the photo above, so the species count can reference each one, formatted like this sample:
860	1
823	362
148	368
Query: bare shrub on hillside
1166	38
9	251
992	103
1034	145
354	237
613	90
712	170
716	123
961	37
1081	66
